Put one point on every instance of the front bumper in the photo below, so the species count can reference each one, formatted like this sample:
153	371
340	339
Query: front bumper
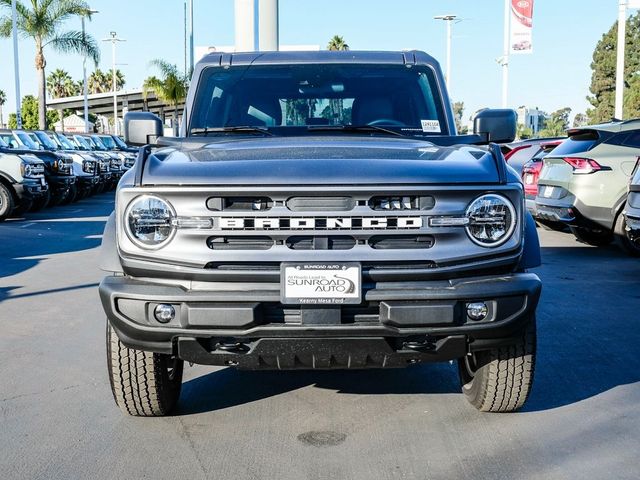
31	189
244	325
86	182
60	184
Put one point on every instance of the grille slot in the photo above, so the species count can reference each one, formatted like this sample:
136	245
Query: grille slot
329	204
408	242
240	243
401	202
321	243
250	204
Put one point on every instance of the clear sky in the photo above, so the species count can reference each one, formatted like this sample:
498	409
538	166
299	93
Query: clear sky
556	75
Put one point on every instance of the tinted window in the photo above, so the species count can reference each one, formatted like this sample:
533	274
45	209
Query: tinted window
284	96
632	139
582	142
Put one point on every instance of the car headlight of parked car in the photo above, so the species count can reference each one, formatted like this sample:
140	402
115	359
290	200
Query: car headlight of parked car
26	169
634	200
492	220
150	221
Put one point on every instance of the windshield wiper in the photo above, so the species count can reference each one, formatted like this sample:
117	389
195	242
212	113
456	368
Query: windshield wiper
353	128
235	129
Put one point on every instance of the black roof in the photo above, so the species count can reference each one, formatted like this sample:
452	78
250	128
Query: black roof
322	56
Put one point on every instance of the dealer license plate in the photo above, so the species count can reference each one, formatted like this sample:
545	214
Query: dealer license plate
321	283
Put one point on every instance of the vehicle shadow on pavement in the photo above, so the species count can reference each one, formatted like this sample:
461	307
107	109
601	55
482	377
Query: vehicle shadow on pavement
49	232
588	330
229	387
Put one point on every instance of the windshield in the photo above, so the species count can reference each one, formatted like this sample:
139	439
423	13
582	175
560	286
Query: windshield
119	142
94	143
26	140
3	144
292	98
45	140
107	141
83	142
65	142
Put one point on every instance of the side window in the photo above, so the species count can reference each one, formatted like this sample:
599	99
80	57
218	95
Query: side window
632	139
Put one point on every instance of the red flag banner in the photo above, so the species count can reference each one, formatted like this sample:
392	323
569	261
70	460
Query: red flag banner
521	26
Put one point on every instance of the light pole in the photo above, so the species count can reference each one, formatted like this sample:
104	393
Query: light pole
504	61
622	26
114	39
448	19
84	77
190	24
16	63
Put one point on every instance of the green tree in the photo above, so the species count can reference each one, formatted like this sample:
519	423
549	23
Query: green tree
43	22
603	77
171	87
60	84
30	114
580	120
557	123
3	100
337	43
523	132
458	113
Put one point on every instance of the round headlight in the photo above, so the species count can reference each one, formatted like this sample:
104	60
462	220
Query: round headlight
26	170
150	221
492	220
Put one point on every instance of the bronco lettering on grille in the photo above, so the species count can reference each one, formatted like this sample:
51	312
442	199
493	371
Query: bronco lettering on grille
317	223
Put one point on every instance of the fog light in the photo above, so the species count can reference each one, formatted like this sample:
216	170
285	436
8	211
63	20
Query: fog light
164	313
477	311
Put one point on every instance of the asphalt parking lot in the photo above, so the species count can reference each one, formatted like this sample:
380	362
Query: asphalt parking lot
58	419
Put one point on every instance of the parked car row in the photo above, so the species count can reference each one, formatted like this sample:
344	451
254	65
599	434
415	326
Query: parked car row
588	182
46	168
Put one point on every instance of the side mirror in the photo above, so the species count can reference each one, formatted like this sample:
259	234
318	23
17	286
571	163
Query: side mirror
142	128
495	125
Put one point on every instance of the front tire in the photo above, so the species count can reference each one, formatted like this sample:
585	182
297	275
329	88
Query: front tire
6	202
144	384
597	238
500	379
622	235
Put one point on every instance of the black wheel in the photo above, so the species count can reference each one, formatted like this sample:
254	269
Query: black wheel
624	240
551	225
41	202
71	196
500	379
144	384
24	207
6	202
57	199
597	238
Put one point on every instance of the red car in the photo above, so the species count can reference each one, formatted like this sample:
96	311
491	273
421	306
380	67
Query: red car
530	175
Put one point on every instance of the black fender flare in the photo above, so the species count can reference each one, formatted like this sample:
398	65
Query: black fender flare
531	253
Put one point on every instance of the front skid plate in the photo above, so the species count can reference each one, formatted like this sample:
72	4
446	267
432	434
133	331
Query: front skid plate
319	353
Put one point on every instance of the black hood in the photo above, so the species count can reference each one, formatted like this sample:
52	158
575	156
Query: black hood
320	160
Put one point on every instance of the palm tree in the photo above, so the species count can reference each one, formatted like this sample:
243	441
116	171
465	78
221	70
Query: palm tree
3	100
60	84
42	22
102	81
337	43
171	88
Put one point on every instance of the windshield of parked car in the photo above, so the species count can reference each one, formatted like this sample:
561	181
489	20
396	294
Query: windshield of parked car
65	142
119	142
45	140
107	141
83	142
94	143
9	140
3	144
27	141
296	99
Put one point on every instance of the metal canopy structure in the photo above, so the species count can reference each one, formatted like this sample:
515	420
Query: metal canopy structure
128	100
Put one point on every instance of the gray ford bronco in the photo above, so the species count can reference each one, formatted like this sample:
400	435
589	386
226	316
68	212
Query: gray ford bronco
319	211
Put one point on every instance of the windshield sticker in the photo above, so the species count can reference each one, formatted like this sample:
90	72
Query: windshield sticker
431	126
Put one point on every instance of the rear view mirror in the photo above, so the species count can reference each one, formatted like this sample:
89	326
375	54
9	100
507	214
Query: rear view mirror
495	125
142	128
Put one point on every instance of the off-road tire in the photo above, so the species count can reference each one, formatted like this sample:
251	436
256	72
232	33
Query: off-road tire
597	238
622	236
500	379
144	384
6	202
71	196
41	202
